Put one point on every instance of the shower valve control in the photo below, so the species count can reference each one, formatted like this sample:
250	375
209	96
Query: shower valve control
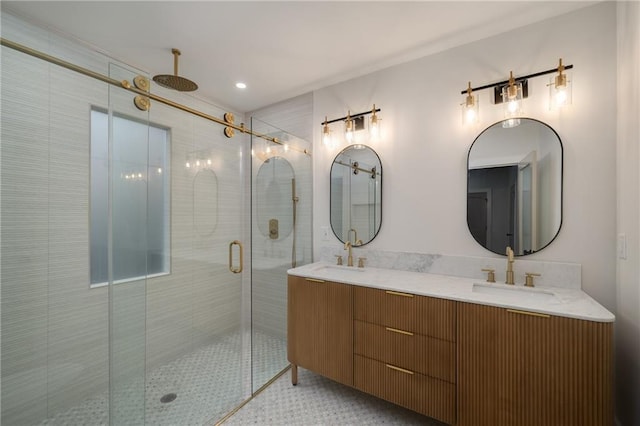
273	229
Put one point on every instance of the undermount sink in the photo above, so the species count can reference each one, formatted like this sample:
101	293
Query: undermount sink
340	268
513	291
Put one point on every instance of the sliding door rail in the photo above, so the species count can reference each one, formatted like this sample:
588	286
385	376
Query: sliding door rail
127	86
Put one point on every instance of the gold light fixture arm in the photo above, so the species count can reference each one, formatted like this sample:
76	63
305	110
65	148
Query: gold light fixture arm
351	116
348	123
374	116
523	78
512	90
561	78
470	101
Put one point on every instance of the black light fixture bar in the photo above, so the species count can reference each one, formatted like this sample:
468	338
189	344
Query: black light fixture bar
505	82
354	116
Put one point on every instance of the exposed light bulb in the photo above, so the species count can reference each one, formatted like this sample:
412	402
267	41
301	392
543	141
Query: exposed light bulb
188	165
374	126
197	163
326	133
510	123
470	115
470	107
559	89
348	127
561	97
209	162
512	99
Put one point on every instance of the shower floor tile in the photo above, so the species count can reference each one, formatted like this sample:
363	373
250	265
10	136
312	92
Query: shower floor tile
208	383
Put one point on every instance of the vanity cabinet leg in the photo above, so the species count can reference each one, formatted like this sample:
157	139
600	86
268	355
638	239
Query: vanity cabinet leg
294	374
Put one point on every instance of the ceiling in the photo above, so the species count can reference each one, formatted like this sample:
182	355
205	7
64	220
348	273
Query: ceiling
279	49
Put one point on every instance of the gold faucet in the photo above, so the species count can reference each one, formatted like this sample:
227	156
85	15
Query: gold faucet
347	245
509	279
355	236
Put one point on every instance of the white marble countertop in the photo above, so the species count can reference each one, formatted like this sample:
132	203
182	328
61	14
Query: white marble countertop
571	303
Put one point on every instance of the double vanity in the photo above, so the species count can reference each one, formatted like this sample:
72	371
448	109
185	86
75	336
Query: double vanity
460	350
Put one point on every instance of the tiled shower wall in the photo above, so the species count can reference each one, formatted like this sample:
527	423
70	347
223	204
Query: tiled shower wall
55	328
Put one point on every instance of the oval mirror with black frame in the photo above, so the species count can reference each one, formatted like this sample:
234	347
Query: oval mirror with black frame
274	186
356	195
514	187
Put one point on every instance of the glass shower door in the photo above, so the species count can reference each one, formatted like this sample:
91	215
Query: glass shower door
281	239
119	234
177	347
196	346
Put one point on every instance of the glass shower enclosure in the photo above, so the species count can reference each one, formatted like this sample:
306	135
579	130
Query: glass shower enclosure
132	291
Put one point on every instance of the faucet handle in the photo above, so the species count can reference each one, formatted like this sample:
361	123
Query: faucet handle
339	259
361	262
491	276
528	278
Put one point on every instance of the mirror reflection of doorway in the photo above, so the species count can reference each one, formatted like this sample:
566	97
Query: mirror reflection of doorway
478	213
492	206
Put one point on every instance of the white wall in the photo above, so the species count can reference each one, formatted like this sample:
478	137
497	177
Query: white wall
424	145
628	279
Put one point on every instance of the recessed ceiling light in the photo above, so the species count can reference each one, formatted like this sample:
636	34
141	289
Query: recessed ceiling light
241	85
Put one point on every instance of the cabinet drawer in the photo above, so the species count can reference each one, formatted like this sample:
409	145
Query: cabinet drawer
426	395
426	355
418	314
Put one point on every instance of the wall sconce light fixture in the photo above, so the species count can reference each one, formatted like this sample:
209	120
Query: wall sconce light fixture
374	124
512	100
326	133
348	128
511	92
559	88
352	124
470	107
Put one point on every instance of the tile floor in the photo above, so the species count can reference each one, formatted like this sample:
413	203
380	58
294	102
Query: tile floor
320	401
205	391
208	384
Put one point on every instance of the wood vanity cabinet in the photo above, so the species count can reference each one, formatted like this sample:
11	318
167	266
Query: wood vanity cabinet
320	328
405	350
519	368
461	363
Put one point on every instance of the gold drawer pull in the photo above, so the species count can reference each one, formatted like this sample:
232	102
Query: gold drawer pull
402	370
313	280
395	330
533	314
396	293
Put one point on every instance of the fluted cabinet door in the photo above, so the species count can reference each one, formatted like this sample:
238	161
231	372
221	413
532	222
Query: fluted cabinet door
518	368
320	327
307	300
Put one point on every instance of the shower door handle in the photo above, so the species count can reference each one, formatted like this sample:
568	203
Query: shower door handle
231	268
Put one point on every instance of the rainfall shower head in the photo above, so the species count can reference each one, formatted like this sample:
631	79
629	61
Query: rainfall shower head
174	81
